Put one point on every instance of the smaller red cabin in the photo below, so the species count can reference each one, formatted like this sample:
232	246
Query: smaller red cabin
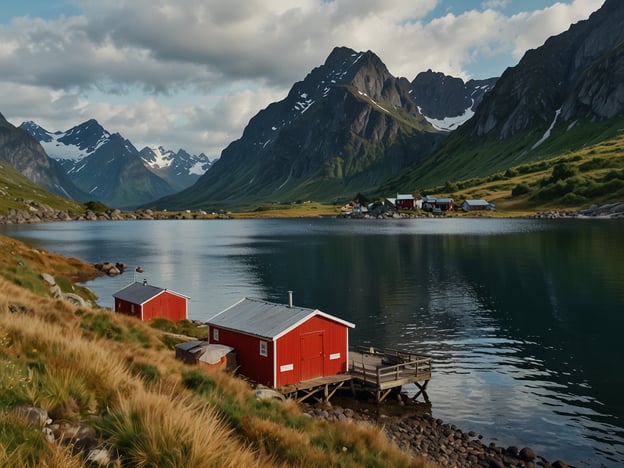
278	345
147	302
405	202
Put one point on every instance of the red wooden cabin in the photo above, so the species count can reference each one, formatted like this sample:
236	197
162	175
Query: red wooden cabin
405	202
147	302
278	344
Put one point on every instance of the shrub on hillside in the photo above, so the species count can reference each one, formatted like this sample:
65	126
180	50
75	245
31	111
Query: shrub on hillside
562	171
520	189
95	206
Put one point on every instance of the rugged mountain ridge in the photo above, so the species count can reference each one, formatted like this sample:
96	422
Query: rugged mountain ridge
544	106
180	169
446	101
346	127
574	75
109	168
25	154
105	166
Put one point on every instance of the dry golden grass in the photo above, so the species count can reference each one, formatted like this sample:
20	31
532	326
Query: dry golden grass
174	430
60	362
87	378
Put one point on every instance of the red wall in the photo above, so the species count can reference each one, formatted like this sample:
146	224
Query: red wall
334	342
165	305
124	307
251	364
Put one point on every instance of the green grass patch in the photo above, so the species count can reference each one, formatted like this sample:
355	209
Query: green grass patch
20	272
20	443
181	327
198	382
102	326
135	335
148	372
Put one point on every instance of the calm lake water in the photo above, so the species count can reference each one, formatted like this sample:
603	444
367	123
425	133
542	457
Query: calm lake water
524	318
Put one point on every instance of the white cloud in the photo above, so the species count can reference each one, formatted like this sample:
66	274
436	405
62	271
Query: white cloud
190	73
495	4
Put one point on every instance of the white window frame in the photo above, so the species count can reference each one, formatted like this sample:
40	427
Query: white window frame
215	334
264	348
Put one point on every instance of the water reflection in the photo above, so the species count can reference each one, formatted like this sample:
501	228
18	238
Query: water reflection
523	318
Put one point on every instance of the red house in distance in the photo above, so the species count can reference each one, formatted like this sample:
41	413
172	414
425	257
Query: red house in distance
278	344
405	202
147	302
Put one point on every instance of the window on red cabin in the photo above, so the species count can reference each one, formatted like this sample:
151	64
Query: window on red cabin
264	351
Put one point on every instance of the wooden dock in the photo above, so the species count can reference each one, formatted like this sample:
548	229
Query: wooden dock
383	370
372	369
327	385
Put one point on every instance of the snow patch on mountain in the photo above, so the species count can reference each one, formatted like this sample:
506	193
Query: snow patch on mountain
373	101
546	135
448	124
59	150
162	158
197	168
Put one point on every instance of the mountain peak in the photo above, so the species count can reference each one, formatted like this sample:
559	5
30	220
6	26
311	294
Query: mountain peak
37	131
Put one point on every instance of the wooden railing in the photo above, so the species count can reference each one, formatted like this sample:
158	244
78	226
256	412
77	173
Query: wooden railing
388	368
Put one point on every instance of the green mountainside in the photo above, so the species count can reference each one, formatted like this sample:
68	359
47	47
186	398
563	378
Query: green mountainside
19	193
592	174
561	98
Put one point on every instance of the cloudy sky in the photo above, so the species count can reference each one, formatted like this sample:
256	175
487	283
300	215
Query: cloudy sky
191	73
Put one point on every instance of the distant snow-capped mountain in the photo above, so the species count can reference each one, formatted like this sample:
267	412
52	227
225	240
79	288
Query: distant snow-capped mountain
180	169
110	169
74	144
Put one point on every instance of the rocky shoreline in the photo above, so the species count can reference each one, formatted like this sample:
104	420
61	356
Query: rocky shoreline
608	211
40	213
419	433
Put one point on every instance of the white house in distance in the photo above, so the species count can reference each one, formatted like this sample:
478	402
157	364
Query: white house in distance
477	205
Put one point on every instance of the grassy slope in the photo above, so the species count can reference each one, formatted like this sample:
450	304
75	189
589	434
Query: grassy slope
16	190
596	177
595	151
119	375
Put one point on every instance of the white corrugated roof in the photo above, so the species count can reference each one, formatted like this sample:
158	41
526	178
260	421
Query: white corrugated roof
477	202
266	319
140	293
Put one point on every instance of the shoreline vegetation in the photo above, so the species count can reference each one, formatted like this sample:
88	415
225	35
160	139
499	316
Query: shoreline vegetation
39	213
83	385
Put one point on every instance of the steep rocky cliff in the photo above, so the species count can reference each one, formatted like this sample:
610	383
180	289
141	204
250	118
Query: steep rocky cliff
346	127
27	156
441	96
578	73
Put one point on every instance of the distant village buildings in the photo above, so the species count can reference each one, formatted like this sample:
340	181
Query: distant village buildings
477	205
403	202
